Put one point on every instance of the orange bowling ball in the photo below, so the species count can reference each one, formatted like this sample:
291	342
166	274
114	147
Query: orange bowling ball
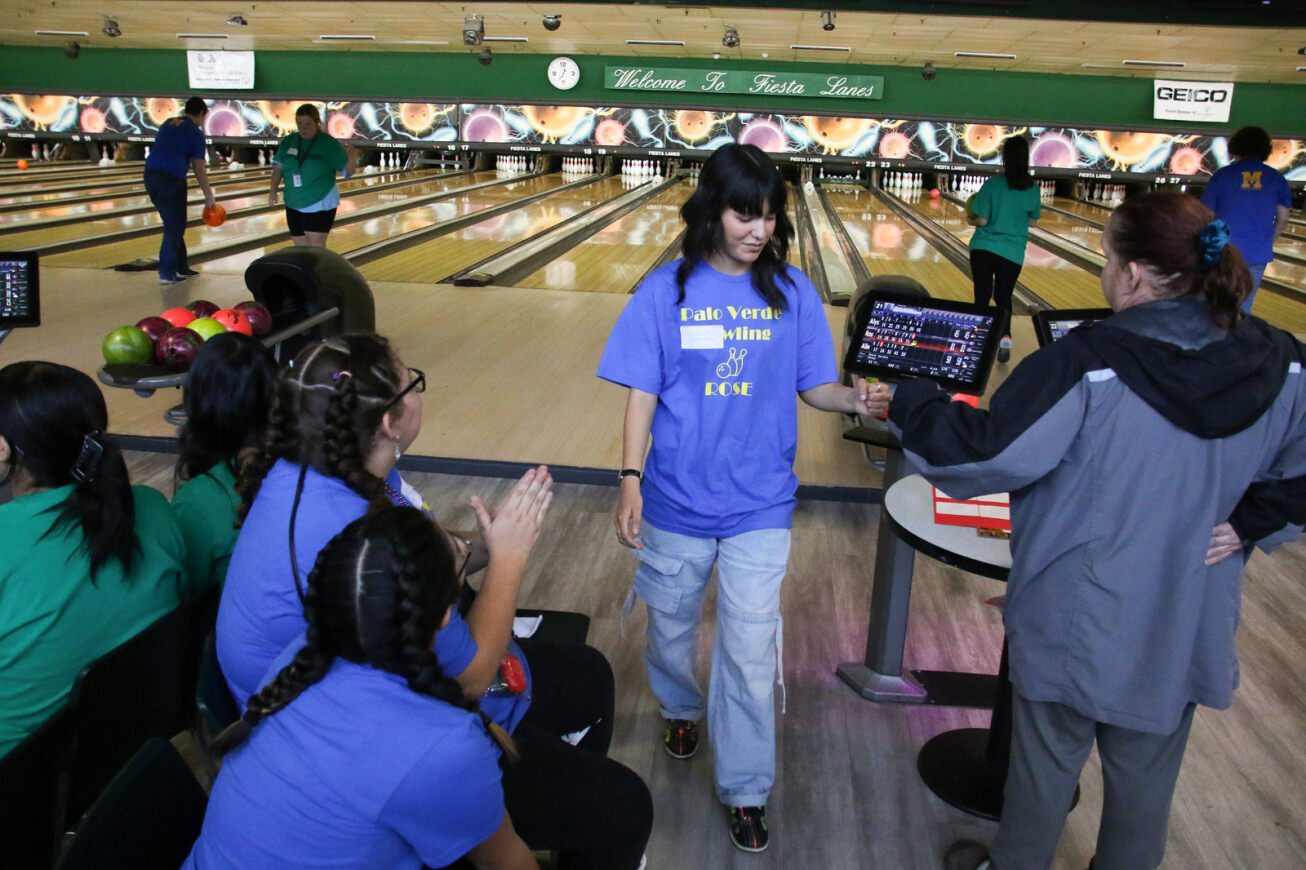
234	320
22	164
214	217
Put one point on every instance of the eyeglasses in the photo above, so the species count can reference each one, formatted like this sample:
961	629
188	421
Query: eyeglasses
416	385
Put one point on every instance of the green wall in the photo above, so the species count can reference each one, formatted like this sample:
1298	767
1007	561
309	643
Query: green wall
1085	101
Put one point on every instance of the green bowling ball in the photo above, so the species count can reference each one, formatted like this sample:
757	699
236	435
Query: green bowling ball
127	344
207	327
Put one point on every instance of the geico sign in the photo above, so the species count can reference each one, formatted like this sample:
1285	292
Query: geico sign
1192	95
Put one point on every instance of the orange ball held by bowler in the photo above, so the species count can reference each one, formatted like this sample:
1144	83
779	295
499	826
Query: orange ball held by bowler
214	217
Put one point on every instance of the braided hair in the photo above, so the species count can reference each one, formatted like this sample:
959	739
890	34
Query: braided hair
54	419
326	410
377	595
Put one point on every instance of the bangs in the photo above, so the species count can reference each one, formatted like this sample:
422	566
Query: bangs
753	196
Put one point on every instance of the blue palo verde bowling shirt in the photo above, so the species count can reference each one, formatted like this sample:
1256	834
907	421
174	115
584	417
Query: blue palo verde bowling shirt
726	368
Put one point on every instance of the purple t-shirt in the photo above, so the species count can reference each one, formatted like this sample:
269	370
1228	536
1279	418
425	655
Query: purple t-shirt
358	771
726	368
1246	196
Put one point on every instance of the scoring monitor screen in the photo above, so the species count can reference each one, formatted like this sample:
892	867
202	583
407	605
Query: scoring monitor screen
1049	326
951	343
20	297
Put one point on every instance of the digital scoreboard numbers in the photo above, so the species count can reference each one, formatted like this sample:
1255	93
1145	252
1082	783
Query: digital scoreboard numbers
925	342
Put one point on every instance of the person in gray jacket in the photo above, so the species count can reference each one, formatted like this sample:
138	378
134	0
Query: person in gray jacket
1123	445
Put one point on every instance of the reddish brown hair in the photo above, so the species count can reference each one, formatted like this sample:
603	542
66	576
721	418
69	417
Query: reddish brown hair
1159	231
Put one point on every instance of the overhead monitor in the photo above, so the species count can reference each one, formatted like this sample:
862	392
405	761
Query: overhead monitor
1052	325
20	290
902	335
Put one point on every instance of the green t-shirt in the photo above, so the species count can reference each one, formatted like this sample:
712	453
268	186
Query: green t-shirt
206	511
53	620
1008	213
314	162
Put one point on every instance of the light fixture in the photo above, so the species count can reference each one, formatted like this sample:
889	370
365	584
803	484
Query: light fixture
201	36
1167	63
346	37
473	30
61	33
655	42
716	55
827	19
72	49
237	20
731	38
505	39
993	55
111	28
820	48
552	22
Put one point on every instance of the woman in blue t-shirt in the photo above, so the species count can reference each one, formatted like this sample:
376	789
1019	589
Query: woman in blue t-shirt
1002	212
713	348
364	751
342	414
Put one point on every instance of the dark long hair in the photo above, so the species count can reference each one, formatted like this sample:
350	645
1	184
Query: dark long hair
326	408
227	395
377	596
1160	231
743	178
54	419
1015	163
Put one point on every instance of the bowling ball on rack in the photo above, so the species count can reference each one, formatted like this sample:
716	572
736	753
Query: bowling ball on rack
154	327
127	344
207	327
177	348
178	316
214	217
203	308
260	319
22	164
234	321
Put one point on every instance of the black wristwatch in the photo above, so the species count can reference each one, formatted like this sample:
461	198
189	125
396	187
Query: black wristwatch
630	472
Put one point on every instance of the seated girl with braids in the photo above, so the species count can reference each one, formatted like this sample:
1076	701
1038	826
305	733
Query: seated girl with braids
88	560
227	394
342	414
364	752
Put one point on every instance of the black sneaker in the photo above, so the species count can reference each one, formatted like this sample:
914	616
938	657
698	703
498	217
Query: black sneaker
680	738
1004	349
187	273
748	828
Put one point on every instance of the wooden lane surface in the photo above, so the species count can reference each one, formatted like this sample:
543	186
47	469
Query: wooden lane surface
889	246
1072	230
440	257
39	198
499	387
349	237
57	173
613	259
110	199
1061	283
202	239
1097	213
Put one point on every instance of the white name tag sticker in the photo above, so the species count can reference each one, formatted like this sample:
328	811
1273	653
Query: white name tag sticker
296	180
703	336
292	150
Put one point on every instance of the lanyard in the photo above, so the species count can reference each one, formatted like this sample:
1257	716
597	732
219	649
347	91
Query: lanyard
303	152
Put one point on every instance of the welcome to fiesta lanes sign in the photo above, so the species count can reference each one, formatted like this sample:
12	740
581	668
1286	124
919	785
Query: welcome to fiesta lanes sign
774	84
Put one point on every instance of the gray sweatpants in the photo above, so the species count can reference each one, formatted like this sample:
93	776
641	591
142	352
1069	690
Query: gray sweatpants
1049	745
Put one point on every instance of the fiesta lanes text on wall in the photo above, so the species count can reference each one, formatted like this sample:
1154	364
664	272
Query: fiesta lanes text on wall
711	81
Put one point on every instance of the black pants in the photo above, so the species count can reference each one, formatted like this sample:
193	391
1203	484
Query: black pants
168	193
994	278
595	812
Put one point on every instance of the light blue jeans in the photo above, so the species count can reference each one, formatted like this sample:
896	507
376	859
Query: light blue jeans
672	579
1258	272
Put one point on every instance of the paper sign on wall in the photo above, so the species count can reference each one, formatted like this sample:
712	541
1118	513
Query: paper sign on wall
1192	101
225	70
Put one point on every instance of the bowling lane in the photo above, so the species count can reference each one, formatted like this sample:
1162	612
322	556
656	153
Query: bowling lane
1061	283
38	198
440	257
889	246
1082	209
40	216
349	237
202	239
614	258
1072	230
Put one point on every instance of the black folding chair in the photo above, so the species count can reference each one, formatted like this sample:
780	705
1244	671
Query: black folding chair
147	819
31	824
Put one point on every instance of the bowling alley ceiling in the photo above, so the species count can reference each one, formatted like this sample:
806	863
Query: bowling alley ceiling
971	41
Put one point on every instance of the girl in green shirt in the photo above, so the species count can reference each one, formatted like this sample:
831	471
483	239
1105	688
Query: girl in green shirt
309	160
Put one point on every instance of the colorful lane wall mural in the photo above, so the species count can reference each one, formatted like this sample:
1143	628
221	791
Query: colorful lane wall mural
863	139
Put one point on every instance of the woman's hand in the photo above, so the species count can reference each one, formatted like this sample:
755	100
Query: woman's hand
630	507
871	400
512	529
272	198
1224	543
